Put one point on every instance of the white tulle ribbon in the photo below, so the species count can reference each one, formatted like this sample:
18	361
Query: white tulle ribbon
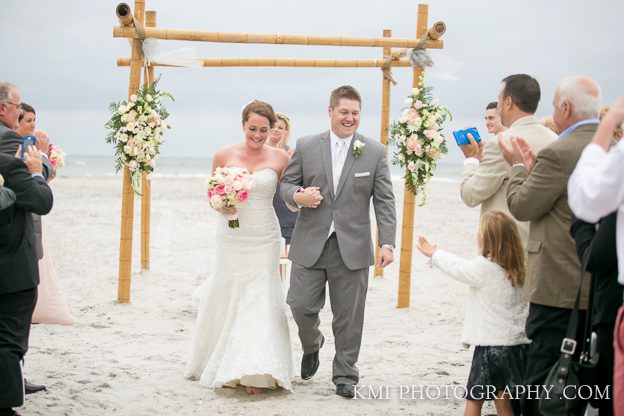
155	54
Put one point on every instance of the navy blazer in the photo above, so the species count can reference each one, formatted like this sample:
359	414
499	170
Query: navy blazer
18	257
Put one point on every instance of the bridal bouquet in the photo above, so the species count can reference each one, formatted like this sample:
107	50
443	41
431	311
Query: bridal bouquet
56	157
229	187
136	129
418	139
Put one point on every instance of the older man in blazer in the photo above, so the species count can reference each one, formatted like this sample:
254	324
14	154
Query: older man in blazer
10	110
486	174
537	192
332	177
19	272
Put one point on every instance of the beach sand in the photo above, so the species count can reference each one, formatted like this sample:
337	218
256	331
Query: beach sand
129	359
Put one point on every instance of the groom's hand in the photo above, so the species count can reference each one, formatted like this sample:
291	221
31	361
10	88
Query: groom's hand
384	257
309	197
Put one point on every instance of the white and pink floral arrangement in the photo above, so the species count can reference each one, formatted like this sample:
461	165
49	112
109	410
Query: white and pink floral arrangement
56	157
418	139
136	128
229	187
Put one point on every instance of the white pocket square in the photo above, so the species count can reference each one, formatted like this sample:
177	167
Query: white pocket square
360	174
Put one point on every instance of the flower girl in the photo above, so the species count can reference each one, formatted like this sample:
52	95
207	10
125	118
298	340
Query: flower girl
496	312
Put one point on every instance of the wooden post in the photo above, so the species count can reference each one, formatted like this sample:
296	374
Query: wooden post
146	184
127	202
385	122
285	62
407	234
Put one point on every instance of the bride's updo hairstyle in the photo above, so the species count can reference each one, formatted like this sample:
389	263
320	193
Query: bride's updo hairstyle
262	109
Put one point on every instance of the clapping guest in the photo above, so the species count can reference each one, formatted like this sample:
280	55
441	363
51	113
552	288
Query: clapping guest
537	192
495	312
51	305
18	262
617	132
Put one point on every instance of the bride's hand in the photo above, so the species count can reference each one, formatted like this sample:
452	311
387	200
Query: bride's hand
227	210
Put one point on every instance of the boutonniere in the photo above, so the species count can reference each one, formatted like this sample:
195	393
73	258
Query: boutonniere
357	147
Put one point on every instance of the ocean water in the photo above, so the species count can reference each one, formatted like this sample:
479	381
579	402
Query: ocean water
83	165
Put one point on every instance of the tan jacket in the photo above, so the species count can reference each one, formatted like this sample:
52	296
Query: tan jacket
486	183
541	197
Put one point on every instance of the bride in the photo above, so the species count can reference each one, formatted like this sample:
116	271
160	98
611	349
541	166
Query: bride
241	336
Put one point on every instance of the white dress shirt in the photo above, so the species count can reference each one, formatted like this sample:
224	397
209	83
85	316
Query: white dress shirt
596	189
334	154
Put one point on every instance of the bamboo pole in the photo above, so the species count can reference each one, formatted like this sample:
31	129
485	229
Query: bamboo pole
407	233
127	202
220	37
286	62
385	120
146	184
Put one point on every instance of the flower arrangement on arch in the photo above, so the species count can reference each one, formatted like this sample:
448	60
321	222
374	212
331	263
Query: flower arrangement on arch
136	128
418	139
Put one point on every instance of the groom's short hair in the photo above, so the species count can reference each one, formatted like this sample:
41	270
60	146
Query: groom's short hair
347	92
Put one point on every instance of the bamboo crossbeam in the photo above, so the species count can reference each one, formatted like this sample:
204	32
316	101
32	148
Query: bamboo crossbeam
276	39
407	232
286	62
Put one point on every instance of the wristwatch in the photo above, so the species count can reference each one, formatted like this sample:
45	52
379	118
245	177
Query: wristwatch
388	246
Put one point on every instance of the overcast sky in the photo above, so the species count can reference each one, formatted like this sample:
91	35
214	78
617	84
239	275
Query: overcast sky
62	56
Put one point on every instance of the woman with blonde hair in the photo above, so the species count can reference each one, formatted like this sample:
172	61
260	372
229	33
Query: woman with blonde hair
496	312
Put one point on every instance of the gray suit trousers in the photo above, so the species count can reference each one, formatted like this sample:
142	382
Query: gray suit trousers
347	294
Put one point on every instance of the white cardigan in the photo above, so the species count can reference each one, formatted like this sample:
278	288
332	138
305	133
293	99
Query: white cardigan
496	312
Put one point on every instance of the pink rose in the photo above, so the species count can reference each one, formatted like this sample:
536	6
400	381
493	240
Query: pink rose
133	97
418	104
433	154
53	162
210	193
219	190
242	195
413	146
228	189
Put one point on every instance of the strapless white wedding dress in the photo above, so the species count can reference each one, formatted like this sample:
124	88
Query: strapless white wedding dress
241	334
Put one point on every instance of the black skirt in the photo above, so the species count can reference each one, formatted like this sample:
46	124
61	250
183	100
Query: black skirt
495	368
286	217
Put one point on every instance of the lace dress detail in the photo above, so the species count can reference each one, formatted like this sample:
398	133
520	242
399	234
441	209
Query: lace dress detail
241	335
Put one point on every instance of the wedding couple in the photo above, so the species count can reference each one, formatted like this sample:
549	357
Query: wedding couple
241	335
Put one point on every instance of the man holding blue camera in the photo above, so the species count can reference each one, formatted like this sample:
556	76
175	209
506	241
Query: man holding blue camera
486	173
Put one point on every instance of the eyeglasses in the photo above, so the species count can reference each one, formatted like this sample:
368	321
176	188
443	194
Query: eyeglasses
18	106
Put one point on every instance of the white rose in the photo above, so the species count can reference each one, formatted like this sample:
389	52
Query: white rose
216	202
133	165
122	109
409	101
415	91
438	139
238	185
401	157
149	98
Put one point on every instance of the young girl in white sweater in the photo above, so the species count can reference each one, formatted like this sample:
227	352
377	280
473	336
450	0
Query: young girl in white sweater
496	312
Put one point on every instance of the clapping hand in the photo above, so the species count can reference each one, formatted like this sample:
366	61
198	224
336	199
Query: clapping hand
43	141
425	247
519	152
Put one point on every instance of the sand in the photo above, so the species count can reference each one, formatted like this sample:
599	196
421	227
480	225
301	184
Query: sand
129	359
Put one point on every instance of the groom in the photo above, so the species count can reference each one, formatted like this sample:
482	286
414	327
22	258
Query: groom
332	178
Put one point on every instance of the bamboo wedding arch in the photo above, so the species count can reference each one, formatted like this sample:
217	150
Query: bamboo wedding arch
142	25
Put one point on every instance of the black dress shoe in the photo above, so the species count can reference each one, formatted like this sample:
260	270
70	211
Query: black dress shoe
345	390
30	388
310	363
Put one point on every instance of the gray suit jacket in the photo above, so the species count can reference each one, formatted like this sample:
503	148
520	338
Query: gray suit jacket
9	142
363	177
486	183
541	197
